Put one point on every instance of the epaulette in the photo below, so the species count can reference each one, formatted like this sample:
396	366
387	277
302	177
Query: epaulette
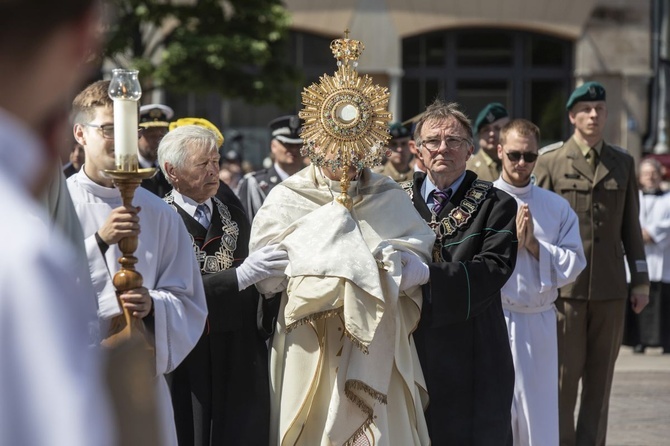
550	147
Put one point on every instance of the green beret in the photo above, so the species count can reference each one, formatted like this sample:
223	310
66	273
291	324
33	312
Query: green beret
589	91
491	113
397	130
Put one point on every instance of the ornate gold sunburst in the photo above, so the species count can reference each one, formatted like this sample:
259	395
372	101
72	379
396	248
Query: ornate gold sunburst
346	116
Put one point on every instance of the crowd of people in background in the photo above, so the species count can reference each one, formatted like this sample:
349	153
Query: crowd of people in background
474	284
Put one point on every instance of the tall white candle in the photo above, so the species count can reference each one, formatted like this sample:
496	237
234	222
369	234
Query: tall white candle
125	134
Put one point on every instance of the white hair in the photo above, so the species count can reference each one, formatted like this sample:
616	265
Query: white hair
174	146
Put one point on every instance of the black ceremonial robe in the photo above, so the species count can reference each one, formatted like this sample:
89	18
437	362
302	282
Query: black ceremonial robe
462	338
220	392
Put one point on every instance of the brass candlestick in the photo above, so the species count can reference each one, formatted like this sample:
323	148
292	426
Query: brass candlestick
126	326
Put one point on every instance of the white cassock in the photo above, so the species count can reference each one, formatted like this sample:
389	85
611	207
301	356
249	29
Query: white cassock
655	219
169	271
52	389
528	304
344	369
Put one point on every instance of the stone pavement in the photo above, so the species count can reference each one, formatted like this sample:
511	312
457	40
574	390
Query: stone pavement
640	402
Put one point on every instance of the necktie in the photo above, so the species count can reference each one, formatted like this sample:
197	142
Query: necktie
202	215
592	158
440	199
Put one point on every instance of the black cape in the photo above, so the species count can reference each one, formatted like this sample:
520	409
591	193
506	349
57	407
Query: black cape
462	337
220	393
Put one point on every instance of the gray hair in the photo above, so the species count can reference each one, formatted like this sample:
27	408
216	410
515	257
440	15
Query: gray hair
174	146
443	111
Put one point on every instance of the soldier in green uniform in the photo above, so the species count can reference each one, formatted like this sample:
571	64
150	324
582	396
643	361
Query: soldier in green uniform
485	163
598	179
398	164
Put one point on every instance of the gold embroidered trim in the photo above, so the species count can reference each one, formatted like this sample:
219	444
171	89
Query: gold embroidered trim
323	315
223	258
458	216
349	388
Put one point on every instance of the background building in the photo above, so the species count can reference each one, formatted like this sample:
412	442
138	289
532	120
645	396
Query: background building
527	54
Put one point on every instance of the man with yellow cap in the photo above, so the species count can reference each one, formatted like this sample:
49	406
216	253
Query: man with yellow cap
598	179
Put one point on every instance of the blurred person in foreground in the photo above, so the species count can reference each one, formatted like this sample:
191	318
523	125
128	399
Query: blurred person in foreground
171	301
50	378
220	392
651	327
598	180
550	256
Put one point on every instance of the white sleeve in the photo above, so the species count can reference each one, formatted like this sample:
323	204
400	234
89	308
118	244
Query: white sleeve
180	308
561	263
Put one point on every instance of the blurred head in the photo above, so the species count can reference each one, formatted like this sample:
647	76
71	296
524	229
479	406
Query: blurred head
443	136
650	175
400	154
44	49
189	158
286	143
77	155
154	120
487	127
518	147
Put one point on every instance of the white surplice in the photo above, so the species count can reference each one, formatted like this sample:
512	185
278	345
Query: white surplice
344	368
169	271
52	389
528	303
655	219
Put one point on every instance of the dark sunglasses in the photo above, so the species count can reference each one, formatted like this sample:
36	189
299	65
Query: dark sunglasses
515	156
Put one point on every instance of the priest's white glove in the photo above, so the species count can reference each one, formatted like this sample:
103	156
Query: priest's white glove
265	263
414	271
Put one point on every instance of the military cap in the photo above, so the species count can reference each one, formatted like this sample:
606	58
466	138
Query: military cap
286	129
589	91
155	115
491	113
202	122
397	130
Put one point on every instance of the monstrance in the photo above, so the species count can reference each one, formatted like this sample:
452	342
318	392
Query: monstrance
346	117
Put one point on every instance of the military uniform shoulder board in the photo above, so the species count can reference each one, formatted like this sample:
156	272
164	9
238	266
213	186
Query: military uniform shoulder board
550	147
408	186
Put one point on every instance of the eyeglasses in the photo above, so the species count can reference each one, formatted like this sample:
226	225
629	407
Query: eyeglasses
452	143
515	156
107	130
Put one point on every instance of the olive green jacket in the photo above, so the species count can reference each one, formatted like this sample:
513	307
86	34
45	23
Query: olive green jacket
607	205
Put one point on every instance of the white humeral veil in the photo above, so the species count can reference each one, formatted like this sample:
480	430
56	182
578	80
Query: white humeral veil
344	367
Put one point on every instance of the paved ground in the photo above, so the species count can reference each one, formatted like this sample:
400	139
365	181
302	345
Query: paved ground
640	402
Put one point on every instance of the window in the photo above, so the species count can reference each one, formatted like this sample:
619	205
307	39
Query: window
530	73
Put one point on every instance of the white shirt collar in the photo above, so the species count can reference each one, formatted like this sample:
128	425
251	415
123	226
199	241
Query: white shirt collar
282	173
188	204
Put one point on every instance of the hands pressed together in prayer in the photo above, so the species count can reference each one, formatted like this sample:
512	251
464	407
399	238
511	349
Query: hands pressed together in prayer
122	222
524	231
414	271
260	265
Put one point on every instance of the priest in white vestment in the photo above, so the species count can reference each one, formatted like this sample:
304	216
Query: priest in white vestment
343	361
550	255
172	300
